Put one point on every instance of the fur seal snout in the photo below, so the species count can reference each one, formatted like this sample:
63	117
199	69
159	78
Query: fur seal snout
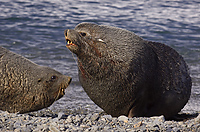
26	86
126	75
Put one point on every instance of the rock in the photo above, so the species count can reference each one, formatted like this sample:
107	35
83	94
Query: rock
53	128
107	117
94	128
94	117
23	123
84	126
69	119
137	124
197	119
123	118
60	115
77	119
158	118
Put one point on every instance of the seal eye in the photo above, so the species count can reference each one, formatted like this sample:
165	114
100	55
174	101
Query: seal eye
83	34
53	78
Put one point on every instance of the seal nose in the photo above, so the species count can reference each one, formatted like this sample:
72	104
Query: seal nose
65	33
69	79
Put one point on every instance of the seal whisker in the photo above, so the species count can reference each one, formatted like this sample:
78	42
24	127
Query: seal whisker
57	97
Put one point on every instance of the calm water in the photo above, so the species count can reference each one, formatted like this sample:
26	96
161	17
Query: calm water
35	30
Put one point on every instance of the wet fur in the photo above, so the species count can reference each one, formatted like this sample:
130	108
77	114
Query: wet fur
26	86
126	75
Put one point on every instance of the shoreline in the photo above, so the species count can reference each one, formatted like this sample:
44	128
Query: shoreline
46	120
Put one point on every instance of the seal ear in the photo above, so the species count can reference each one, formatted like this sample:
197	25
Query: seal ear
100	40
40	79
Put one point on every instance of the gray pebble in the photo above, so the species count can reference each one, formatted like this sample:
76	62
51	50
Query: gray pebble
89	122
53	128
158	118
69	119
94	117
107	117
18	130
123	118
156	121
197	119
17	124
84	127
169	130
92	122
77	119
107	128
60	115
87	130
94	128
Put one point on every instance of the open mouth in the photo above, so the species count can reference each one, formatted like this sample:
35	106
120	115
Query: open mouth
64	86
61	91
69	42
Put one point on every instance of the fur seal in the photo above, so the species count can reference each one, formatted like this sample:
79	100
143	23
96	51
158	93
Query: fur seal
126	75
26	86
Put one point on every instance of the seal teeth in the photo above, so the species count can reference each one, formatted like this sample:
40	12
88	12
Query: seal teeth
69	41
63	87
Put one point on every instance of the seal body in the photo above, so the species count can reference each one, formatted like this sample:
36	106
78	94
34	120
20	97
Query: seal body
126	75
26	86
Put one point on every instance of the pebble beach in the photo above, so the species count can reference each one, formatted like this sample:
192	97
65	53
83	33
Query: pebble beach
34	29
48	121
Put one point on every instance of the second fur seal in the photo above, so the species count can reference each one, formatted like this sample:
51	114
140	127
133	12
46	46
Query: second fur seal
26	86
126	75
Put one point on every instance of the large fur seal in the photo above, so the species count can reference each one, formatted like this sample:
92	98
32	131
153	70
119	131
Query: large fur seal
26	86
126	75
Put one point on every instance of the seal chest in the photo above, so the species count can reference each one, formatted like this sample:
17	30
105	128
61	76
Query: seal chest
126	75
26	86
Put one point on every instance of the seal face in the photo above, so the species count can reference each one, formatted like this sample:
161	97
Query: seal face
126	75
26	86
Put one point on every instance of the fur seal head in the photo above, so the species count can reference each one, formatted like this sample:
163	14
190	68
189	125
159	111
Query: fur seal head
26	86
126	75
